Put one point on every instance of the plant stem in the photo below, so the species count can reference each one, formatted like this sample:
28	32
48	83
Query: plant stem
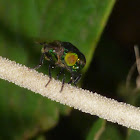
84	100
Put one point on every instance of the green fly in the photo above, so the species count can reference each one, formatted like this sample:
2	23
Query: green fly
64	55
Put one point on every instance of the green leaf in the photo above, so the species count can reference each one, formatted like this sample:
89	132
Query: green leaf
96	130
24	114
111	133
133	135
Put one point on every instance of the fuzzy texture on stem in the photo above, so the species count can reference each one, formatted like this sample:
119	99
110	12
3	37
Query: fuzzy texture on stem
84	100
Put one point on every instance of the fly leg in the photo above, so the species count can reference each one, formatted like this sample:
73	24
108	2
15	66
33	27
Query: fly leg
76	80
51	66
40	63
50	75
63	80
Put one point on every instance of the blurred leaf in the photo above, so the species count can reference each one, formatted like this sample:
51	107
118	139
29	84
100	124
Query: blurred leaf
129	94
41	138
111	133
133	135
22	113
96	130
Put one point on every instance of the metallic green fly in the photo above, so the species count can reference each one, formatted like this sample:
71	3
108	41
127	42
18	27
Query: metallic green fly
64	55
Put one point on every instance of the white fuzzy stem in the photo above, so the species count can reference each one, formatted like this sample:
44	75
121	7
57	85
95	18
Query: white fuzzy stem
84	100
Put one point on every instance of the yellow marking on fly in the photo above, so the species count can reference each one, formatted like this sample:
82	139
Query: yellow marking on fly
71	58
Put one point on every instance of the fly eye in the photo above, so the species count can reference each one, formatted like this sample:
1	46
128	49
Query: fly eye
71	59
